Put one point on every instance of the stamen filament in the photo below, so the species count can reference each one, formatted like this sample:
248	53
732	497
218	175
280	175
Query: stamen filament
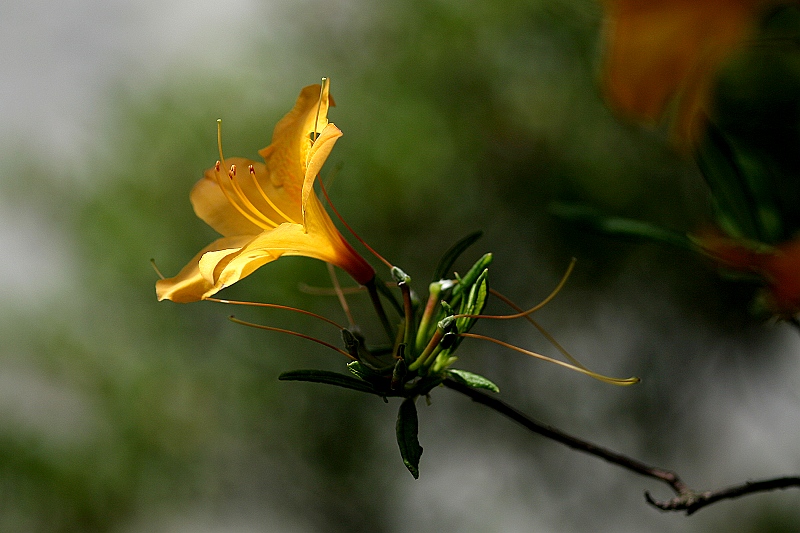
267	198
324	291
595	375
221	184
351	230
541	330
153	264
324	83
277	306
219	140
290	332
340	294
238	190
246	201
536	307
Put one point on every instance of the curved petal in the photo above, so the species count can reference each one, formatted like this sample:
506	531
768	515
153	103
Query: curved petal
292	239
316	158
286	156
190	285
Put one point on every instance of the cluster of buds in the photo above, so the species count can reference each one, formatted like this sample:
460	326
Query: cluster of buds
425	342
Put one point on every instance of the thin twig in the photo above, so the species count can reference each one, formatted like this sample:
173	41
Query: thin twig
691	501
686	499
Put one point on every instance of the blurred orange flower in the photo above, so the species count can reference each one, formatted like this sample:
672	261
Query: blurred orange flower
266	210
660	51
778	267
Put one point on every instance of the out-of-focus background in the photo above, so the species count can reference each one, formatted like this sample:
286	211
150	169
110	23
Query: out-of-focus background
122	414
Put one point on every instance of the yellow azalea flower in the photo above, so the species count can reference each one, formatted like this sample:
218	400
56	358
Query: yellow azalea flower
660	50
266	210
778	266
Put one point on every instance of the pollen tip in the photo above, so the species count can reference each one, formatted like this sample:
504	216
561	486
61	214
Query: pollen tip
217	166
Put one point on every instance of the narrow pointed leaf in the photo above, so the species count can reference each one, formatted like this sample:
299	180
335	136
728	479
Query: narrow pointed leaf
742	183
473	380
470	277
621	226
407	439
329	378
474	303
450	256
734	199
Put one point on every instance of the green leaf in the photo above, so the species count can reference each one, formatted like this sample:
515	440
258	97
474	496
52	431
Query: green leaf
329	378
473	380
470	277
474	303
734	197
613	225
407	430
450	256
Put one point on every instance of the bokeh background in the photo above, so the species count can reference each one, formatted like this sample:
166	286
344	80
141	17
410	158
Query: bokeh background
122	414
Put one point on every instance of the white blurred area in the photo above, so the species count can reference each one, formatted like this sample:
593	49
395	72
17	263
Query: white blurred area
60	58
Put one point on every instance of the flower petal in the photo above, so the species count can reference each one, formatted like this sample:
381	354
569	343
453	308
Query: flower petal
286	156
190	285
316	158
657	49
327	245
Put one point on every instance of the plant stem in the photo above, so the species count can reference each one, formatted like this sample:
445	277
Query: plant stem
686	499
376	303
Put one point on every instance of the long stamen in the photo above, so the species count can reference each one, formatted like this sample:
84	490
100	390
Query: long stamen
595	375
325	291
267	198
340	294
535	307
351	230
323	84
246	201
219	141
221	182
277	306
290	332
153	264
255	214
240	209
541	330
